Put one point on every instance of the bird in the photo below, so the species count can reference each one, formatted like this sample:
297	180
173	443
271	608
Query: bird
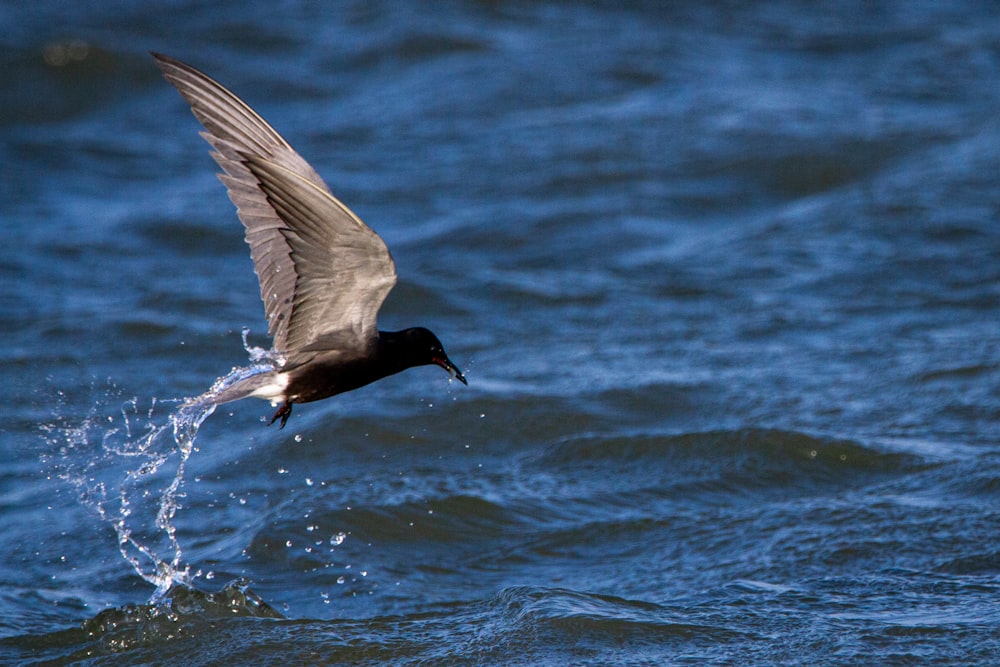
323	273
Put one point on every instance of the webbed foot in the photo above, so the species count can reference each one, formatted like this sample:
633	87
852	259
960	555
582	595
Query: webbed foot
285	411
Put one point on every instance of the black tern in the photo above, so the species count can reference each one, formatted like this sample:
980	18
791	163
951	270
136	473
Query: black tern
323	272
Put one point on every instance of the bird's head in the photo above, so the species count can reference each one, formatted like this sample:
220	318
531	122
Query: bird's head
423	348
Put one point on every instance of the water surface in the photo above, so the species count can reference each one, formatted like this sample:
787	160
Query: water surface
724	282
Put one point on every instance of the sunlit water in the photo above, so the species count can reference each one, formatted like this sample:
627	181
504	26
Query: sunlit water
723	279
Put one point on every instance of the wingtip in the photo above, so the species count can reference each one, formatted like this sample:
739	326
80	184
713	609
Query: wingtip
165	62
170	65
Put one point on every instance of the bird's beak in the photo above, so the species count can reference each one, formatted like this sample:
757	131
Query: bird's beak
445	363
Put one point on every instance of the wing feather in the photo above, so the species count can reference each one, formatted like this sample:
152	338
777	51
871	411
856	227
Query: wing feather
340	262
323	273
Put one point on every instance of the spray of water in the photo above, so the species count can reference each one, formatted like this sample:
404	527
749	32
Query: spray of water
129	468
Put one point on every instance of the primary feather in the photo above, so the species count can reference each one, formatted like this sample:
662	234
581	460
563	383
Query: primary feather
323	272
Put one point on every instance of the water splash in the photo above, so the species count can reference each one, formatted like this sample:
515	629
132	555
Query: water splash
129	467
259	355
187	612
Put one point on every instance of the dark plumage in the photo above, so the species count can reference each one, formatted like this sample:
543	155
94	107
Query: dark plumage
323	272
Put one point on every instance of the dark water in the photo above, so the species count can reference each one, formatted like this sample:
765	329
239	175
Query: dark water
724	282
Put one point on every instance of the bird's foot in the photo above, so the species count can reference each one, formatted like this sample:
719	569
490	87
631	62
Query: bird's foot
285	411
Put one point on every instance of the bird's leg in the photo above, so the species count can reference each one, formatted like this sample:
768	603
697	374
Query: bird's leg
285	411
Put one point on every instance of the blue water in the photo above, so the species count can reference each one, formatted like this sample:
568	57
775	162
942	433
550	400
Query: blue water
724	281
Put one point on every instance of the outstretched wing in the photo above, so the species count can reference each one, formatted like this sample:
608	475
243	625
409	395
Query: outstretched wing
323	272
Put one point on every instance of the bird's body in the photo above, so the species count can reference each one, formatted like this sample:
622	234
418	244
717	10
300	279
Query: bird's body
323	273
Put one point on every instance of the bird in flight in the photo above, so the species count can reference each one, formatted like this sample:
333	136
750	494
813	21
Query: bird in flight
323	273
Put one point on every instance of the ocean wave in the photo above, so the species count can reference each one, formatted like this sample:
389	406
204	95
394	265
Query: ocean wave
749	460
517	624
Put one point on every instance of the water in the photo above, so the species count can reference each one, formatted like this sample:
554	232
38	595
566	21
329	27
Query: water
723	281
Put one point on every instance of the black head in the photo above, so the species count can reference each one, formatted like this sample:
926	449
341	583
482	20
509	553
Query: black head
420	347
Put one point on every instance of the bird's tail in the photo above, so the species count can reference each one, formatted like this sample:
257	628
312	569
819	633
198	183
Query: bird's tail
242	382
